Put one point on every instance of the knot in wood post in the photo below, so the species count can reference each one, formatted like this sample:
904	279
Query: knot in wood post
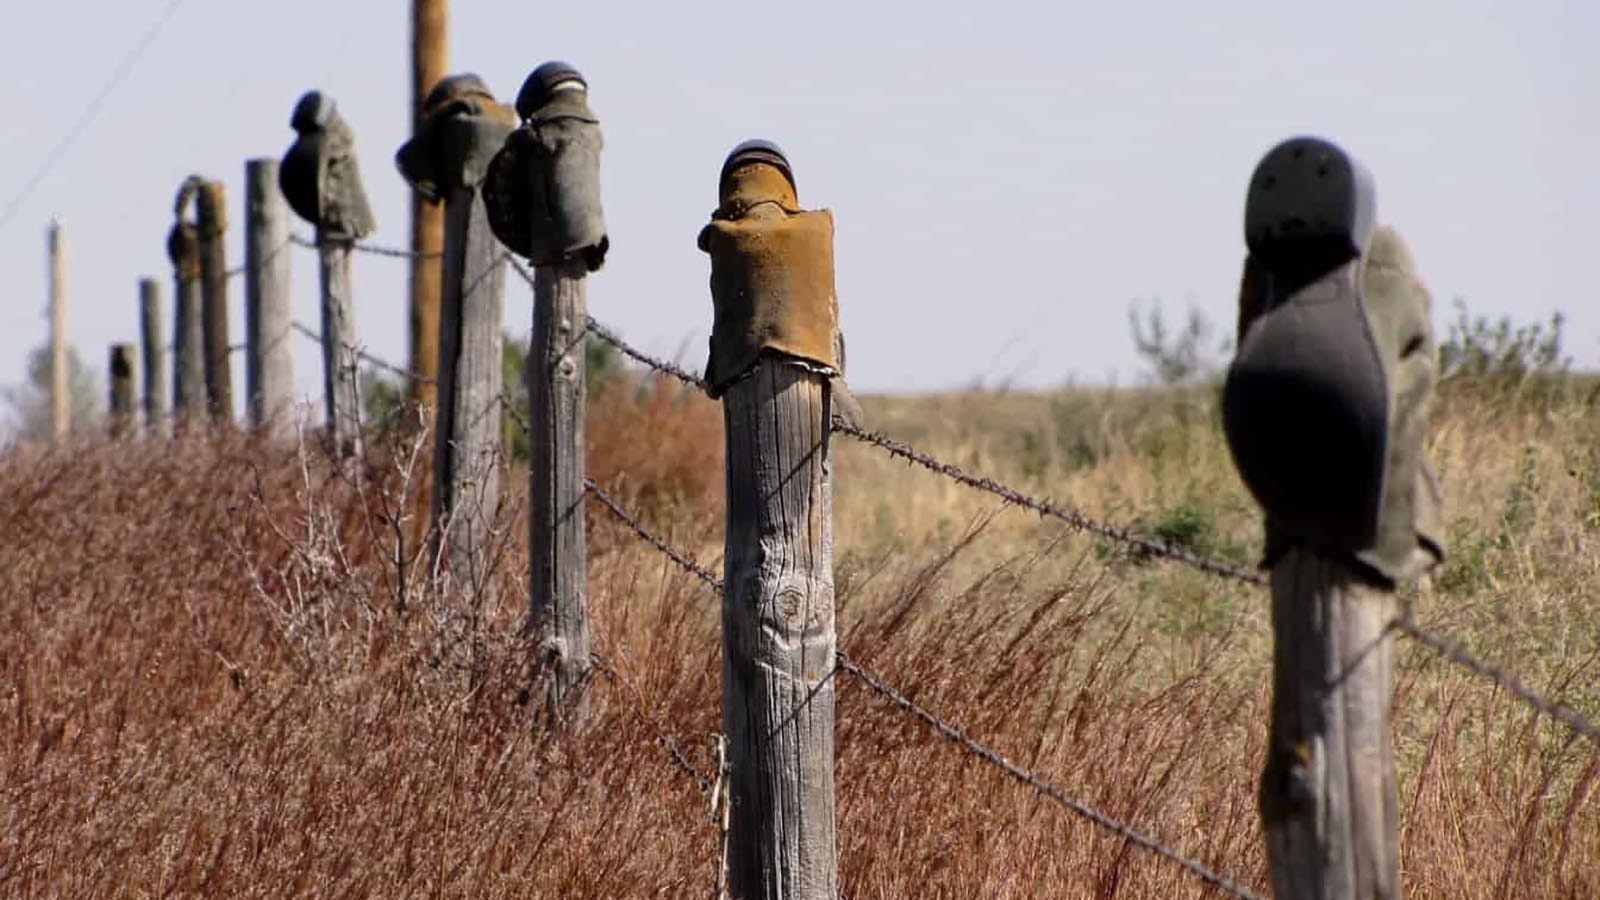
542	198
773	357
321	179
462	128
1325	407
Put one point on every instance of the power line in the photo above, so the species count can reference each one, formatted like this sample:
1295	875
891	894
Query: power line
123	69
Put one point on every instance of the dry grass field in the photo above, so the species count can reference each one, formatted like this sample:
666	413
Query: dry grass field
216	680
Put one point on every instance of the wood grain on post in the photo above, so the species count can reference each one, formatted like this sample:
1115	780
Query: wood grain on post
341	389
1328	801
188	339
467	449
269	358
557	552
123	390
211	222
60	387
153	354
430	59
778	634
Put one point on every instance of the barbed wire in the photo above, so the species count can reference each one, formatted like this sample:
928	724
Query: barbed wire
676	555
995	758
369	249
660	365
1455	653
363	355
949	731
662	739
1144	543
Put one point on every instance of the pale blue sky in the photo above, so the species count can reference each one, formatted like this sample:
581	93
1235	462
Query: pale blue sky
1006	177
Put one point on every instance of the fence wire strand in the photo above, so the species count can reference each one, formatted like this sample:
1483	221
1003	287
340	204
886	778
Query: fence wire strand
369	249
662	739
1459	655
364	356
949	731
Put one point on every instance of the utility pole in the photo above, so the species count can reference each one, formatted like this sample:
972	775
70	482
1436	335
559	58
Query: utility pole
430	56
60	390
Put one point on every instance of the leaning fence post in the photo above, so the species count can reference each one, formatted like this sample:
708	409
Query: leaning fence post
152	345
269	358
773	355
1324	408
322	182
188	338
543	200
211	223
123	413
462	128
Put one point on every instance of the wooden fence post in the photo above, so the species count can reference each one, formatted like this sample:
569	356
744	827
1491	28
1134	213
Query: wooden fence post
543	196
188	338
269	360
1328	803
446	161
1325	409
778	646
153	353
60	389
341	388
557	549
211	223
123	391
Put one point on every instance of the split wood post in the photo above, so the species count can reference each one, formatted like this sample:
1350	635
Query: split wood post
60	386
153	354
447	161
778	645
1328	801
123	391
211	222
543	196
188	329
1325	410
269	357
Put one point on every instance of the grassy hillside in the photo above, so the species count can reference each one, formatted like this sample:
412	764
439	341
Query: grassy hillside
207	687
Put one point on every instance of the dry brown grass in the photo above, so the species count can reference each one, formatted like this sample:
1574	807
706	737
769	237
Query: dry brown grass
205	689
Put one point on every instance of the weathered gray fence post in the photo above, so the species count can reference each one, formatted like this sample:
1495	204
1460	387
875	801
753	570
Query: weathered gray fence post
153	354
188	338
773	355
322	182
269	357
446	161
543	198
1324	409
60	390
123	392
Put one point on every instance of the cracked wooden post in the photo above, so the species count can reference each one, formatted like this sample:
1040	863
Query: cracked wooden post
269	357
152	346
543	202
211	222
1324	409
188	331
321	179
773	360
446	162
123	391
